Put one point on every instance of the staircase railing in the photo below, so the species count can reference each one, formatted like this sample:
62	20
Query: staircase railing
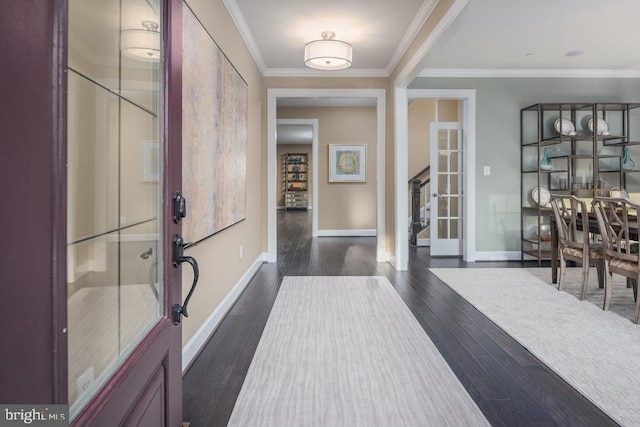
419	203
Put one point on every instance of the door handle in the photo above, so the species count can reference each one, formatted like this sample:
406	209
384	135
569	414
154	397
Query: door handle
179	207
178	258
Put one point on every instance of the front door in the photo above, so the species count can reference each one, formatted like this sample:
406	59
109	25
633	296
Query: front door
446	189
123	364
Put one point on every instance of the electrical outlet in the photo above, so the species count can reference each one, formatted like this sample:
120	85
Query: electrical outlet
487	170
85	380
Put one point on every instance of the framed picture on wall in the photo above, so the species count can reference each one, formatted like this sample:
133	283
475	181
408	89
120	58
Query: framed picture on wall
347	163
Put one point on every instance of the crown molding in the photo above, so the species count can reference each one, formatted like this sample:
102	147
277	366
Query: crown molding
535	73
411	69
412	32
308	72
242	27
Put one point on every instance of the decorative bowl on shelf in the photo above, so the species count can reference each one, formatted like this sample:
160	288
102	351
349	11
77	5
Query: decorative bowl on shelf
545	232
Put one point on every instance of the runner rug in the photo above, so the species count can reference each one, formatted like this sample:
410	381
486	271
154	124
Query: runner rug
596	351
346	351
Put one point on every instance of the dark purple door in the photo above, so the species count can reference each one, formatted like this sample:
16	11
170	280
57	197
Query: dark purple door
93	112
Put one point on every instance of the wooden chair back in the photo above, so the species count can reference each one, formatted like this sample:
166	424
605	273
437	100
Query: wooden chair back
618	224
571	218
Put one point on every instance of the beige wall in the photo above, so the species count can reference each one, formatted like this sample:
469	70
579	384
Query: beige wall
221	266
343	206
293	148
449	110
421	113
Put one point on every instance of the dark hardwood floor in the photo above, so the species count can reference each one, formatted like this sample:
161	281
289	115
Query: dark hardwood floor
510	386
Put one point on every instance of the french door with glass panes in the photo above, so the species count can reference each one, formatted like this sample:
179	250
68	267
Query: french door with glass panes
446	188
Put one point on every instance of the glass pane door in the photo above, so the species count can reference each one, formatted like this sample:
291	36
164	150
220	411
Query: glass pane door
446	203
114	187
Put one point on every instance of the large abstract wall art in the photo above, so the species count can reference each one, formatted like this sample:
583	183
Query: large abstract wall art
214	135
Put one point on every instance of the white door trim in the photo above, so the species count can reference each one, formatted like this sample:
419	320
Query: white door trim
272	96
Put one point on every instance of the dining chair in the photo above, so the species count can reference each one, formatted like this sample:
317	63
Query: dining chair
618	224
572	222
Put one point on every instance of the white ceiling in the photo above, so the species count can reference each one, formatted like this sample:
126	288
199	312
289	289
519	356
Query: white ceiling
488	36
277	30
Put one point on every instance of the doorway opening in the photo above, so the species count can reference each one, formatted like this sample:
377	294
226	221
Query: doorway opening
297	167
326	96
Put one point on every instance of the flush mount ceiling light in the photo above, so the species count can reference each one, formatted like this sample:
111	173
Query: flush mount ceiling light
328	54
141	44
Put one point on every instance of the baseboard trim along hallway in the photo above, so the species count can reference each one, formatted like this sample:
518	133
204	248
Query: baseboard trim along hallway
196	343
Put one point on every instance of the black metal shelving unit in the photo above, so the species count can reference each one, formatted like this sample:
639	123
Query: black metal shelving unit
586	159
295	175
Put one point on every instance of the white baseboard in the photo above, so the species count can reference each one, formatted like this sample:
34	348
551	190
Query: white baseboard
199	339
423	242
391	259
498	256
347	233
309	208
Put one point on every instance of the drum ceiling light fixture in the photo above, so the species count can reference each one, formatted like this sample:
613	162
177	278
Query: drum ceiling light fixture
328	54
141	44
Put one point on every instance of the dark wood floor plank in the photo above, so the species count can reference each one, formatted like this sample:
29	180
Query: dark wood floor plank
507	382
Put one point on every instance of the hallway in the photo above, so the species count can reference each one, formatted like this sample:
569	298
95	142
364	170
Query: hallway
508	384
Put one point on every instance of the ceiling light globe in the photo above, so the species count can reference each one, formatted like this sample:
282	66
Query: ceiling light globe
141	44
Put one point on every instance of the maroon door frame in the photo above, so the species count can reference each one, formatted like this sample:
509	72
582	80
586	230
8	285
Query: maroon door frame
33	139
33	278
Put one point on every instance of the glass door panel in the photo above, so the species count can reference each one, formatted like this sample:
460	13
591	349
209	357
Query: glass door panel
92	159
92	308
93	50
140	292
114	189
139	165
445	238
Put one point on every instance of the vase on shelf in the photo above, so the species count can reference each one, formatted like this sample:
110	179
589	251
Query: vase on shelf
627	162
545	161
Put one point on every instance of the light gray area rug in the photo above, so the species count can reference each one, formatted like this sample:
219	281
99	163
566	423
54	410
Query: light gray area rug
346	351
596	351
